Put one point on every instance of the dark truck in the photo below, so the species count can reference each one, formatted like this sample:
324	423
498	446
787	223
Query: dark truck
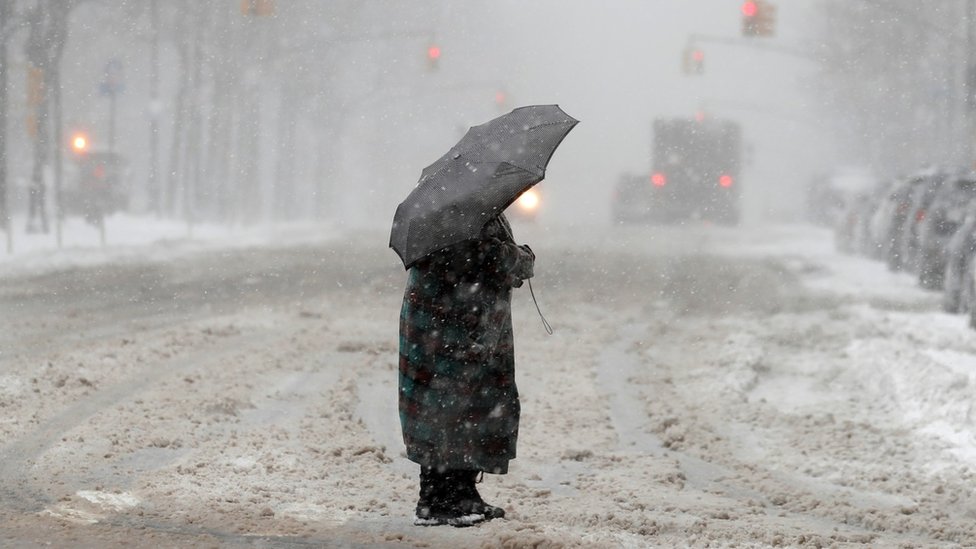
695	175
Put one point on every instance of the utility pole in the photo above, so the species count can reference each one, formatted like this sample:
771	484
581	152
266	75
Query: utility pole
5	16
152	186
37	53
970	20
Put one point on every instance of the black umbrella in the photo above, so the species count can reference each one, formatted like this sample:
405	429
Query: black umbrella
477	179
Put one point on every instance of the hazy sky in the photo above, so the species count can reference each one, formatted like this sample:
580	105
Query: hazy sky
615	66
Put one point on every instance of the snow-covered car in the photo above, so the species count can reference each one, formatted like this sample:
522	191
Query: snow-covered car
851	231
938	222
923	196
889	216
959	256
888	222
829	197
967	293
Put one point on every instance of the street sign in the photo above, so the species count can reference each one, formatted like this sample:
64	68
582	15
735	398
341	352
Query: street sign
113	82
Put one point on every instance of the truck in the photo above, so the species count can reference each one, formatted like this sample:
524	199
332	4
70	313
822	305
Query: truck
694	175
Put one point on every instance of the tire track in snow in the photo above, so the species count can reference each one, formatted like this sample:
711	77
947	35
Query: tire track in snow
615	372
20	491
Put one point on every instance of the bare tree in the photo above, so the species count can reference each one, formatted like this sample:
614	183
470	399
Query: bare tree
6	29
47	23
152	184
890	73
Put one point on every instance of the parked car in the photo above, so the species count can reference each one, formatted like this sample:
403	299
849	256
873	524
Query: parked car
940	220
959	257
847	229
888	225
829	196
923	195
853	228
889	217
924	222
967	293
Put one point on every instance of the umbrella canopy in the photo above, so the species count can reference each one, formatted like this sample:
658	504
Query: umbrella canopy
477	179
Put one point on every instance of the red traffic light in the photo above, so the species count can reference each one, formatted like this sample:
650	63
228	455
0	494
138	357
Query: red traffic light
758	18
260	8
433	57
693	61
658	179
725	180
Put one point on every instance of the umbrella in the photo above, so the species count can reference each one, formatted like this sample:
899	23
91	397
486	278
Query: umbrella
477	179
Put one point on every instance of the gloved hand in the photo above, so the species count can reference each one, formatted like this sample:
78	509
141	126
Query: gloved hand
523	267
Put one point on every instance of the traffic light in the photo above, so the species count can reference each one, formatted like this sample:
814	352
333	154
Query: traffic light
693	61
758	18
433	57
35	85
501	99
259	8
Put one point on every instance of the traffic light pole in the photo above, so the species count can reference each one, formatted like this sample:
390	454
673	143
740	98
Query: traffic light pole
5	28
970	21
746	43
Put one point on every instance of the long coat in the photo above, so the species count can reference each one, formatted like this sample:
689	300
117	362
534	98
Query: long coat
458	403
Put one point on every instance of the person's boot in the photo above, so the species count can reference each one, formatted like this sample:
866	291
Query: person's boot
427	495
440	501
471	499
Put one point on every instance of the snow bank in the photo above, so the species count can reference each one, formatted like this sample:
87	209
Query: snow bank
132	238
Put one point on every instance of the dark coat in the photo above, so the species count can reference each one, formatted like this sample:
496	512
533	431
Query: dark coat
459	406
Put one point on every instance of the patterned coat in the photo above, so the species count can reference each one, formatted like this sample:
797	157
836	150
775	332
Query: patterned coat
459	406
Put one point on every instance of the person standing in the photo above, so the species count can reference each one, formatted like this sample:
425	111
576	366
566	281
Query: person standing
458	403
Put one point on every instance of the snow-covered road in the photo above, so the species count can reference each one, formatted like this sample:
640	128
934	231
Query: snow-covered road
703	387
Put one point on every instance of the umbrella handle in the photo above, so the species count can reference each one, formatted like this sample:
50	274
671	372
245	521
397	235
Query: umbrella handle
545	323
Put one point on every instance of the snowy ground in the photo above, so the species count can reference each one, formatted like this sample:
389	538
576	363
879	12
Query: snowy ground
130	238
704	387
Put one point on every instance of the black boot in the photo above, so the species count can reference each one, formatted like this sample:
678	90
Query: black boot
471	499
440	500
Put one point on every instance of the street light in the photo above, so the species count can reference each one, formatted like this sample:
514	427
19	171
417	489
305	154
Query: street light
79	143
